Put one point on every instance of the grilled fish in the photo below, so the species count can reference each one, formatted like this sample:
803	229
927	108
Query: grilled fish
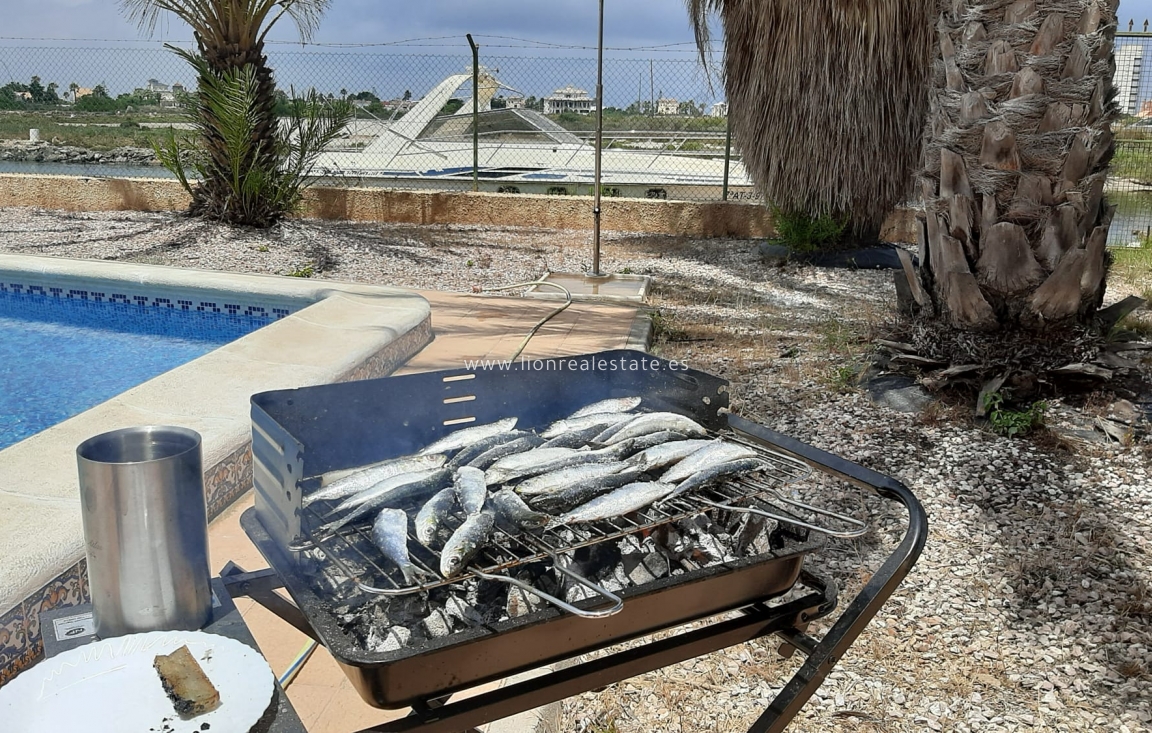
559	480
651	422
619	404
518	464
398	489
623	500
390	534
432	515
659	456
514	511
561	501
465	542
466	454
339	484
485	460
575	438
573	424
632	446
471	491
468	436
574	458
715	472
717	452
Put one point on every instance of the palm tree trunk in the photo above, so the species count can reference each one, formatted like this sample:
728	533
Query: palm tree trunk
1011	186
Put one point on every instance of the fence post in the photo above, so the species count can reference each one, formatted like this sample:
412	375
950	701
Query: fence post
599	144
727	150
475	113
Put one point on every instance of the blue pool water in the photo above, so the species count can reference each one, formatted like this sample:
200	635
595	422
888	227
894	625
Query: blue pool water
60	356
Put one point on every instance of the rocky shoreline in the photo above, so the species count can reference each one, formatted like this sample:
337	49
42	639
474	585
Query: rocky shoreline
24	151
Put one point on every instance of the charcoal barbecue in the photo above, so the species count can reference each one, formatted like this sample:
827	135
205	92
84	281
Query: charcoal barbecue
300	434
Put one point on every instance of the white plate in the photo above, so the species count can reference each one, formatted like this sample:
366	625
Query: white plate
110	686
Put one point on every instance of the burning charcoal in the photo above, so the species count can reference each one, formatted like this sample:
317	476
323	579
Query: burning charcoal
595	561
641	569
752	529
404	610
437	624
521	603
387	640
458	609
577	592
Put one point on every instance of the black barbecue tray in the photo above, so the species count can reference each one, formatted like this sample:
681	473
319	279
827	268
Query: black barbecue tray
302	433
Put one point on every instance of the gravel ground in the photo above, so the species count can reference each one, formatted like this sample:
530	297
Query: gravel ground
1031	608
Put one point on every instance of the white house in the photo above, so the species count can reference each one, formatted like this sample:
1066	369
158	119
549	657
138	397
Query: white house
667	106
719	109
569	99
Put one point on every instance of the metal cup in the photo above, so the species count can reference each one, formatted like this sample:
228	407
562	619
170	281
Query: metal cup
145	529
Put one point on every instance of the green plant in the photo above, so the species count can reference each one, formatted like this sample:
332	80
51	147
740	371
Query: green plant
626	271
802	232
469	263
842	378
1013	423
244	177
262	248
303	271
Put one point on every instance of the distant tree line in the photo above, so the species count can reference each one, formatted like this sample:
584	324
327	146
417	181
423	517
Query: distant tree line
35	95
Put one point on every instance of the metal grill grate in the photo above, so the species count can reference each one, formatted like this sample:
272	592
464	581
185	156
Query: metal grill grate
351	553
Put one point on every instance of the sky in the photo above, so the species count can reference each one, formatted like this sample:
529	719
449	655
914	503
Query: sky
655	30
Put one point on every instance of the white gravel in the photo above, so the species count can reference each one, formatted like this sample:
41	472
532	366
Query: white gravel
1031	608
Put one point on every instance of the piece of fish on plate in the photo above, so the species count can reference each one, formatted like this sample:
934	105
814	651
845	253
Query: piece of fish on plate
340	484
624	500
467	436
616	404
465	543
390	534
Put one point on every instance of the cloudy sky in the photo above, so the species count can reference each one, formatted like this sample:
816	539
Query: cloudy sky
631	24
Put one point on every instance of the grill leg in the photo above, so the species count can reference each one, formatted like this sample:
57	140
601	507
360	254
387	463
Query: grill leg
261	586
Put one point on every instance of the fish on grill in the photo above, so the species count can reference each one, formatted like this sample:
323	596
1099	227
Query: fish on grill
471	490
575	438
465	542
485	460
631	446
339	484
718	451
715	472
468	436
651	422
573	424
558	502
617	404
548	465
396	490
665	454
552	481
390	534
512	509
624	500
519	464
468	453
431	516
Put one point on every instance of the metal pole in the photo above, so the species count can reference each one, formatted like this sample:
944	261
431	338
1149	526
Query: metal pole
599	144
727	150
475	113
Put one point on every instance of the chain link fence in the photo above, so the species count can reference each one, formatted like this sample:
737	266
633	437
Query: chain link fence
1130	182
96	111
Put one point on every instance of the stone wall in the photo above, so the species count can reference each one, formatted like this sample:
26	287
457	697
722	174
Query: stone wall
695	219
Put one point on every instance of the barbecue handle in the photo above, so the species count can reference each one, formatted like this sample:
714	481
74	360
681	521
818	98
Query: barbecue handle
617	602
871	598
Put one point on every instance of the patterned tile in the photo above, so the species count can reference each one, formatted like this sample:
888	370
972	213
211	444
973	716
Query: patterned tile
63	592
228	480
14	653
138	301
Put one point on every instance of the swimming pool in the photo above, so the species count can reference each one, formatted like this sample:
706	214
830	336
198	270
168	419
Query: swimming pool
61	353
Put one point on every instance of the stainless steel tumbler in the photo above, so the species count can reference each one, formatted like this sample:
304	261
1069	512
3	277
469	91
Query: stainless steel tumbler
145	529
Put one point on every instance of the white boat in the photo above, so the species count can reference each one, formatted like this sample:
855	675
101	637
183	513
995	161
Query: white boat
520	151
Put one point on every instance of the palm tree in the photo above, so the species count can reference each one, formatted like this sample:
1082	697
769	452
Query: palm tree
827	100
230	38
1015	221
